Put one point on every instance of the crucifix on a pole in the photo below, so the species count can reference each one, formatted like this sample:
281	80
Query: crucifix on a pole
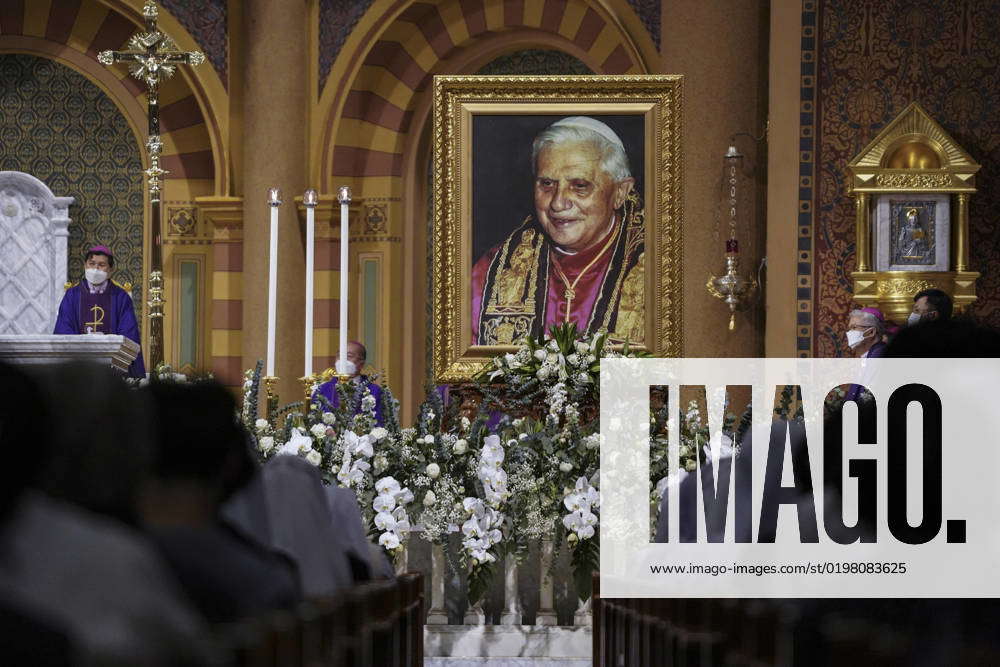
153	57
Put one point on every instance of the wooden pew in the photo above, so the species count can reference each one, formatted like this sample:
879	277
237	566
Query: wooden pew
377	624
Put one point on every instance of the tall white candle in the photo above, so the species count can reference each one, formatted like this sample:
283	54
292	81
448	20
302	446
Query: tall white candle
274	201
344	196
310	200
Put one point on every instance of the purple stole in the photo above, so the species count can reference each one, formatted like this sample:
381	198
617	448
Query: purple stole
96	311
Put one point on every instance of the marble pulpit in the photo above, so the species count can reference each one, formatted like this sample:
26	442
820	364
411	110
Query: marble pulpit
117	352
34	236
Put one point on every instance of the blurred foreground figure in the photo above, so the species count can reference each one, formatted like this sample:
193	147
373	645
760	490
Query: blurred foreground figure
286	509
200	460
68	554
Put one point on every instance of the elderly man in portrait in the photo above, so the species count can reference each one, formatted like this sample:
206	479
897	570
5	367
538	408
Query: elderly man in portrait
579	259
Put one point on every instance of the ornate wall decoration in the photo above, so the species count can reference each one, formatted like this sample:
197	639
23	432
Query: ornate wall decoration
648	12
208	23
59	127
337	19
874	59
182	221
376	218
531	62
904	181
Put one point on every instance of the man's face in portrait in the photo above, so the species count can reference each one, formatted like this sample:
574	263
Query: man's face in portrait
574	196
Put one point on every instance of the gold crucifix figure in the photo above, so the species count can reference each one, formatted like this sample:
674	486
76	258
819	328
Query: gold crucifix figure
153	57
98	314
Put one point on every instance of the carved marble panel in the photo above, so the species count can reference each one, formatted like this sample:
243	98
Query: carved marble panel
34	234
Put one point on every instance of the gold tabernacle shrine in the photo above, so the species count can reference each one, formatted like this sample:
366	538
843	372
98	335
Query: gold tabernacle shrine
911	188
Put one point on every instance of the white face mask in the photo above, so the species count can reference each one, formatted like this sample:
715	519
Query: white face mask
914	318
855	338
96	276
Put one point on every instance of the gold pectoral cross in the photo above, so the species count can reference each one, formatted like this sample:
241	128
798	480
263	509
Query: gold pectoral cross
98	313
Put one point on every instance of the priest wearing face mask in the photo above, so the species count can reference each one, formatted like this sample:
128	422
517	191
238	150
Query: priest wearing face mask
865	331
97	306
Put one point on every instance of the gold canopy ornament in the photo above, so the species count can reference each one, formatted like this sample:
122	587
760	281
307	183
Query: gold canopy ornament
912	157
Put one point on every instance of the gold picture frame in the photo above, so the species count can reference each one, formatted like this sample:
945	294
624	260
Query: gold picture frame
649	106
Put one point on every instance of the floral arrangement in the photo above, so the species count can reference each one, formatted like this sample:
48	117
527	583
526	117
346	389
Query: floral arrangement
533	475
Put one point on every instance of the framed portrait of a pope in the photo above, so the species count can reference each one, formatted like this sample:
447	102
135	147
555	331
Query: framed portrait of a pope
556	201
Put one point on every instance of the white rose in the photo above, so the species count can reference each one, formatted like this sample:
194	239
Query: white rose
553	346
381	463
571	538
565	466
318	430
523	436
540	354
459	447
429	498
266	443
329	418
552	358
429	439
573	359
314	457
542	373
261	424
379	433
433	470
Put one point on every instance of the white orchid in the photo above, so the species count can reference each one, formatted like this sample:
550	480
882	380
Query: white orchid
385	521
384	502
356	444
387	486
389	540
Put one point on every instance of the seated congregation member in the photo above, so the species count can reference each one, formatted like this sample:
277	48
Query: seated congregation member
27	637
930	305
97	305
285	509
865	334
368	560
200	460
356	355
70	551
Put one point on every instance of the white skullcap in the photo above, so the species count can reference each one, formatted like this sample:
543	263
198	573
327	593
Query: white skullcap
588	123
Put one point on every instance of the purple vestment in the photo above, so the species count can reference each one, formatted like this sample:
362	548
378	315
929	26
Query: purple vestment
119	318
329	390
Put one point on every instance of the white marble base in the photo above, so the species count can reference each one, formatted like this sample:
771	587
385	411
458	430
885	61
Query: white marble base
513	641
116	352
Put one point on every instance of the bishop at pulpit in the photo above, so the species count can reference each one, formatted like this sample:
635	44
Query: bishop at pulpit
96	305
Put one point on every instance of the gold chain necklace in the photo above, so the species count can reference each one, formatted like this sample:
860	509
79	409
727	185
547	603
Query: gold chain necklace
570	292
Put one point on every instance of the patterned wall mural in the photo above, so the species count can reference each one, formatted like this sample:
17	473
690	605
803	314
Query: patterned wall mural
874	59
337	19
207	21
59	127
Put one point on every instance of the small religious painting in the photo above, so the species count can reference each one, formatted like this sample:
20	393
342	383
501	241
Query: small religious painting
565	209
913	233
